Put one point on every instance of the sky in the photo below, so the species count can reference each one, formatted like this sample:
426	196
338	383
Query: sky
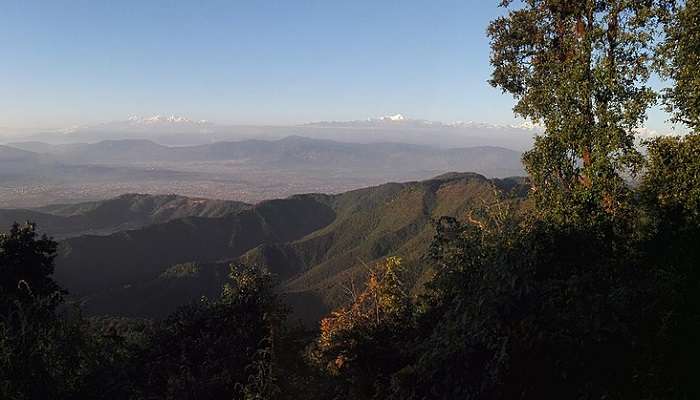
74	62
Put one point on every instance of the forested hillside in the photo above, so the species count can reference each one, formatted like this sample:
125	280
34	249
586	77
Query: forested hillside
312	243
142	254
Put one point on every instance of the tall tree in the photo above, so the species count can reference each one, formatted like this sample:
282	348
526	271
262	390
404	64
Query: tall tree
580	69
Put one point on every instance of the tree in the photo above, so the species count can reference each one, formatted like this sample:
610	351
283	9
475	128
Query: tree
580	69
670	193
680	57
362	343
527	308
42	354
26	264
218	349
671	183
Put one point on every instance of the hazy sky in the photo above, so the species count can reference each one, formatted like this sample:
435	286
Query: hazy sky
74	62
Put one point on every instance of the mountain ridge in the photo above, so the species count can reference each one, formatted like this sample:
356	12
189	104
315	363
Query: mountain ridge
128	211
293	150
314	243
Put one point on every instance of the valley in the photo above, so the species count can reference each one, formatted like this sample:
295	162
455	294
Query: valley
35	174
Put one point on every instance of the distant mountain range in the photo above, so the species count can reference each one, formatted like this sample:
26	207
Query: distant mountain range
167	250
16	162
290	152
178	130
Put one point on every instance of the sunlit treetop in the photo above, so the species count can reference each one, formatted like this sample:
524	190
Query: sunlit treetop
580	68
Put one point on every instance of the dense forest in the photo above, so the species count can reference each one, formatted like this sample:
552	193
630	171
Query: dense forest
588	289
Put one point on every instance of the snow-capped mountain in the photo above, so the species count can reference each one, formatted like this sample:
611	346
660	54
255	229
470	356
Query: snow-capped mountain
386	121
400	120
155	122
162	119
403	129
393	118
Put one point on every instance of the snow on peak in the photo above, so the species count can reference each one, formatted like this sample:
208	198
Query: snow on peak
529	126
400	120
471	124
393	118
163	119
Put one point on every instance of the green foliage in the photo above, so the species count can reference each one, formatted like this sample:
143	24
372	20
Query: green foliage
35	346
670	192
45	354
579	68
218	349
262	378
530	309
29	351
680	57
26	262
184	270
671	182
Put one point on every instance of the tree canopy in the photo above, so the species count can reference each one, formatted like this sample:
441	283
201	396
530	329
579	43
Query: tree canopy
679	58
579	68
